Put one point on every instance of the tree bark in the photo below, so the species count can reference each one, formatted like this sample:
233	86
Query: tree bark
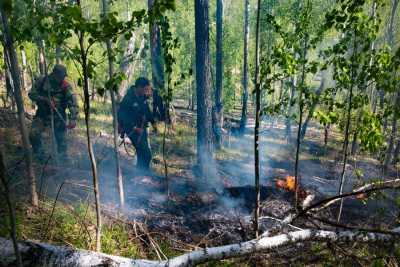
42	58
83	51
245	96
288	131
257	123
347	129
219	68
126	65
9	89
301	107
23	70
11	55
114	114
389	151
45	255
312	108
203	87
390	33
157	64
396	153
11	208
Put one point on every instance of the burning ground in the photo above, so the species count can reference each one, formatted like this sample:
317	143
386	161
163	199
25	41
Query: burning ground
212	210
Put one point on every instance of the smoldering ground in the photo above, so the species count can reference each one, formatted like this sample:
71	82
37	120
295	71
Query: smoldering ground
197	204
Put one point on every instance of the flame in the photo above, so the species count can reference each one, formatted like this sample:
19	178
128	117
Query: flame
288	184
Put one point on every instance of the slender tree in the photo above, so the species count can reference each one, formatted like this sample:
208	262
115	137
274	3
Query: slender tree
219	68
85	72
313	107
12	64
114	113
393	133
203	86
10	205
257	122
157	64
245	95
347	127
299	126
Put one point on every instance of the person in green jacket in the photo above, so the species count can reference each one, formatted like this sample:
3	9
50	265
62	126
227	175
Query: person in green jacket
52	92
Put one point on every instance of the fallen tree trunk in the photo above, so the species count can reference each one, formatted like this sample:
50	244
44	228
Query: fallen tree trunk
40	254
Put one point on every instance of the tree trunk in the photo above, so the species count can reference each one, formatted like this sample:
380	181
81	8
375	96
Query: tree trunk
257	123
347	129
23	70
10	205
42	58
312	108
203	87
288	123
9	89
129	63
301	107
114	114
390	33
395	4
16	82
157	64
92	158
58	55
219	68
389	151
46	255
396	153
243	119
193	83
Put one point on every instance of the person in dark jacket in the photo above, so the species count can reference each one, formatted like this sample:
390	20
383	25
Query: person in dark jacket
134	116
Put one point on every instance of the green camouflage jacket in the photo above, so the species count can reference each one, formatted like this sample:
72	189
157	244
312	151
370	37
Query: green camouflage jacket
62	95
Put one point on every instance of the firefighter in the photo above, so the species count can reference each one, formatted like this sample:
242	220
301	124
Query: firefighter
52	92
134	116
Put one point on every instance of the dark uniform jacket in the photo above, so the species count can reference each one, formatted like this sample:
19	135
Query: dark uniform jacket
61	94
134	111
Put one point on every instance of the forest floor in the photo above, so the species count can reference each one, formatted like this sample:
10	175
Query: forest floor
213	210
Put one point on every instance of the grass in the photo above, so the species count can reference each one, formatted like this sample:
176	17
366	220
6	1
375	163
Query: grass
71	226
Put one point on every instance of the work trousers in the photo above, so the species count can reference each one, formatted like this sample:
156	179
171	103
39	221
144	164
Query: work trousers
39	126
143	150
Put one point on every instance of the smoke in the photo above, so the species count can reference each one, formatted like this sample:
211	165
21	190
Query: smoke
228	187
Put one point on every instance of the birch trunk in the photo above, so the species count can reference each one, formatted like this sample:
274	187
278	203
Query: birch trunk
45	255
114	114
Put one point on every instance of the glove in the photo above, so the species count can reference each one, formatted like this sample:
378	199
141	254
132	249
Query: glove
71	125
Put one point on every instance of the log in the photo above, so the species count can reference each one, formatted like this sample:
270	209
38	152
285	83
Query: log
40	254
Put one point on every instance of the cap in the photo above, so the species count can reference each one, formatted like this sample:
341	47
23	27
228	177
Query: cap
60	70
